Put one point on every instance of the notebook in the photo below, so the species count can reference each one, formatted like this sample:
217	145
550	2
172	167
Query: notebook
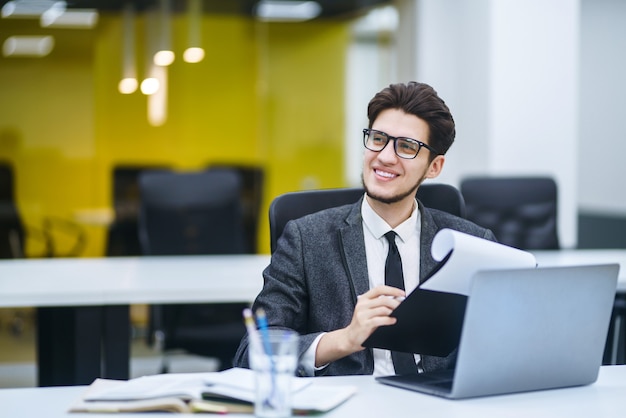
526	330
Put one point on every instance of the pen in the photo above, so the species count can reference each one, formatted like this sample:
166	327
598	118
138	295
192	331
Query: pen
263	327
253	334
265	336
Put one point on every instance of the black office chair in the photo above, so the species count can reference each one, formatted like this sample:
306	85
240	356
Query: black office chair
12	231
521	211
13	235
123	233
252	180
294	205
187	214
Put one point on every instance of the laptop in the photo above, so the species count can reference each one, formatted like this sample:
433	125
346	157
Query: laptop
526	330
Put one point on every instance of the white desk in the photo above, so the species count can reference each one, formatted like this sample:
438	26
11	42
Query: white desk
580	257
83	319
603	399
130	280
74	294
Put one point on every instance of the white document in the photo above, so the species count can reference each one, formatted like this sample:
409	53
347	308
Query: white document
180	385
469	254
235	383
238	383
308	396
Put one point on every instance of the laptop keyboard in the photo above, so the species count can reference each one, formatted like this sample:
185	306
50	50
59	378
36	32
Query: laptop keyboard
439	382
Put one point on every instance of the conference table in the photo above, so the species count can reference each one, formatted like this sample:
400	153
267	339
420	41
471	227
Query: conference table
83	304
602	399
83	320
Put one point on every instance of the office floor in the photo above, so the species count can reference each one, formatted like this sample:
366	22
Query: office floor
17	353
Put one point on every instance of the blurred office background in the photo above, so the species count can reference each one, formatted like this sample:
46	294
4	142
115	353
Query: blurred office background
536	88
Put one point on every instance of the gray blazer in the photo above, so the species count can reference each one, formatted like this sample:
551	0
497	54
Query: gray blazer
319	268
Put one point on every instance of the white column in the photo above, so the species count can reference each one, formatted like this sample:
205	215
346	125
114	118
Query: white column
509	72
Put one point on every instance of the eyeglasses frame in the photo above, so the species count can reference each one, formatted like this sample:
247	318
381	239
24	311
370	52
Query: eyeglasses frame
367	132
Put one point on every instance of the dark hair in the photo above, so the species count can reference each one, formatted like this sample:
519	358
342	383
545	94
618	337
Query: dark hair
421	100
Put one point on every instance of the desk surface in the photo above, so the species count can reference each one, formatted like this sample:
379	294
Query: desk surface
188	279
603	399
85	283
129	280
581	257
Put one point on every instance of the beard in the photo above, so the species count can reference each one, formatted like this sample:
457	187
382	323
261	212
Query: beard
392	199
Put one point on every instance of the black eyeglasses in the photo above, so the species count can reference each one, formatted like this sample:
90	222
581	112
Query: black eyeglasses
407	148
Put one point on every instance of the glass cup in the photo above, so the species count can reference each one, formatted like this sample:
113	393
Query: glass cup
273	358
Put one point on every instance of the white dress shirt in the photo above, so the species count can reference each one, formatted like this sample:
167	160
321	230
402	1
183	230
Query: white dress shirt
376	248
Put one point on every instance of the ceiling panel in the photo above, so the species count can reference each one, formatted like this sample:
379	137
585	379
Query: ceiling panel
330	8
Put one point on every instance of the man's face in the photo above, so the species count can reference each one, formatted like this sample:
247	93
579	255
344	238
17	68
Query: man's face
389	178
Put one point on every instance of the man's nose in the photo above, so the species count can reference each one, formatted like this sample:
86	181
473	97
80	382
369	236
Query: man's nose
388	153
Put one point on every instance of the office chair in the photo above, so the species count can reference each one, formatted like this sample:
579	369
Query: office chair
252	179
521	211
123	233
297	204
186	214
12	232
615	349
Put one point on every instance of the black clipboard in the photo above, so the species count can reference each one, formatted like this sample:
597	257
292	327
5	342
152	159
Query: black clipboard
429	322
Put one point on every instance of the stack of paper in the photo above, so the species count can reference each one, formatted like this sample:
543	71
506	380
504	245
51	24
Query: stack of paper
231	390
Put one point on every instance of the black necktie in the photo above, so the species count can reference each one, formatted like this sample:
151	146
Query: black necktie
403	363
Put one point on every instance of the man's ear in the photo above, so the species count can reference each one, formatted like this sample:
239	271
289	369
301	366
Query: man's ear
435	167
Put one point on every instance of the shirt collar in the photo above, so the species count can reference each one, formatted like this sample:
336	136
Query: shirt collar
378	227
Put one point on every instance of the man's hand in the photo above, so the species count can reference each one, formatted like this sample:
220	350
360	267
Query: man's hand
372	311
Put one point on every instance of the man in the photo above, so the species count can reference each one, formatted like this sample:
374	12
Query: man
327	274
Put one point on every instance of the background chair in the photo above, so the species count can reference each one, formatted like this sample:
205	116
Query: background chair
193	213
12	241
123	233
521	211
12	232
294	205
252	179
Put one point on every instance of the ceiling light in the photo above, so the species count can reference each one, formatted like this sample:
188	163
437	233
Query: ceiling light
59	17
194	52
26	9
128	84
27	46
164	55
150	83
163	58
287	11
150	86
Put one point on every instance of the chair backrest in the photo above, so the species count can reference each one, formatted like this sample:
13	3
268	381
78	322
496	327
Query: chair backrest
521	211
295	205
191	213
123	233
12	233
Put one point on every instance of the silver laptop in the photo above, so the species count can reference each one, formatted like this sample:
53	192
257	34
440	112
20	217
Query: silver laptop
525	330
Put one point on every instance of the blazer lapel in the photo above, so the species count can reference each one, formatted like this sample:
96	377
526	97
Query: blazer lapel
353	250
428	232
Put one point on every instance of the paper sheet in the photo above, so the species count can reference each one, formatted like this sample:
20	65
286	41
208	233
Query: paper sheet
469	255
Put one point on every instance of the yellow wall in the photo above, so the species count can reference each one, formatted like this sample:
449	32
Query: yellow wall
269	95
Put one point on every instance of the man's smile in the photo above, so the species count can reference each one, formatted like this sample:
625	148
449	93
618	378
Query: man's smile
385	174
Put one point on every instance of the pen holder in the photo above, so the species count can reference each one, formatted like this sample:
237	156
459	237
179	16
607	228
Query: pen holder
273	358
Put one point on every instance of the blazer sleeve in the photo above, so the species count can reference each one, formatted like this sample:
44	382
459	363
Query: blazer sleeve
285	296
